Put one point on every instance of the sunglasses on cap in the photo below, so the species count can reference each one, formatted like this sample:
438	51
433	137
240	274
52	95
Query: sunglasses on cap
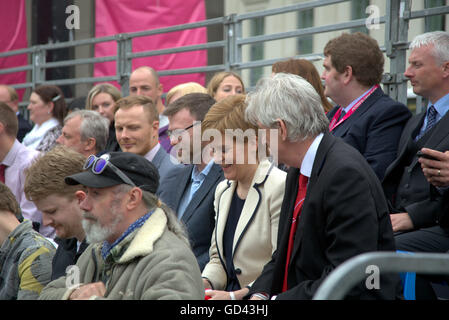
98	165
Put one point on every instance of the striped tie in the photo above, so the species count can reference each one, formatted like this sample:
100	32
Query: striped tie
431	121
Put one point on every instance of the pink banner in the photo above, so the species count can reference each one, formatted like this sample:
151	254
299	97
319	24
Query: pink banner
13	26
126	16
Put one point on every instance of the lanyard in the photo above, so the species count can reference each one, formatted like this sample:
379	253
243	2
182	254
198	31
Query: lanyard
334	120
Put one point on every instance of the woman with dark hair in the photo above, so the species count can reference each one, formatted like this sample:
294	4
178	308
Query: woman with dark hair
47	110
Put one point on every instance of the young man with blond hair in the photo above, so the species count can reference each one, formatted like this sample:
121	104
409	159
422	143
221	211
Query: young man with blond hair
58	202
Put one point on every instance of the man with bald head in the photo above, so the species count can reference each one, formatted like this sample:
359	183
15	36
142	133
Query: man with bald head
9	96
144	81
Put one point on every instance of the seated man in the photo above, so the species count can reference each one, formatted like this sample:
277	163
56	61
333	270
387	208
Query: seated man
85	131
138	249
14	159
190	191
365	117
333	208
58	202
25	255
136	128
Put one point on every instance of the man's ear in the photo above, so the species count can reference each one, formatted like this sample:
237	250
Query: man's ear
134	198
445	67
347	74
80	196
90	144
283	133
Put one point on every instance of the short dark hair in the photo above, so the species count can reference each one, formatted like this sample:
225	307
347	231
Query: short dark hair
8	201
361	52
9	119
198	105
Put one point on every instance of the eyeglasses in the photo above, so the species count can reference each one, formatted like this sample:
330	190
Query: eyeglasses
178	132
99	165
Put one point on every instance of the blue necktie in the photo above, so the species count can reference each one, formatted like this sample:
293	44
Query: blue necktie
431	121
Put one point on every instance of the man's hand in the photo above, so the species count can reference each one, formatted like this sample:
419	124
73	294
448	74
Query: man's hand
435	171
88	290
401	221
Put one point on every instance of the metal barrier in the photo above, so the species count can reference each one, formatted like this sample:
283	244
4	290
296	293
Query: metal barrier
351	272
396	20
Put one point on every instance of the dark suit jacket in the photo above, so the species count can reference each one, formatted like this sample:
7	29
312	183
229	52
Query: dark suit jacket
416	197
66	255
24	127
199	216
374	129
344	214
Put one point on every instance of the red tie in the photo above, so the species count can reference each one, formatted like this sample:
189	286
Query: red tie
296	213
2	172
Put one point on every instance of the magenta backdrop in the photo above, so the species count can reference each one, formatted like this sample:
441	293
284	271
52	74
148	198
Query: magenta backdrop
125	16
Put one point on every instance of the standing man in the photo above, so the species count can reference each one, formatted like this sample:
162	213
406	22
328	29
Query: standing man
136	128
333	208
138	249
190	191
365	117
415	210
85	131
9	96
144	81
58	202
14	159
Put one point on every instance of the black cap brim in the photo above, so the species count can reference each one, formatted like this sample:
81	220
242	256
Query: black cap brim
89	179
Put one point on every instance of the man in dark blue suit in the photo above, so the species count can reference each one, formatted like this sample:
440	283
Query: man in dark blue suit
9	96
365	117
190	190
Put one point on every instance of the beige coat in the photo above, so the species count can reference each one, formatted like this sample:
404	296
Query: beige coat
157	264
255	237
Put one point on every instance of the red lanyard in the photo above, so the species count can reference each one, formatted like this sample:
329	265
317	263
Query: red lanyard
333	124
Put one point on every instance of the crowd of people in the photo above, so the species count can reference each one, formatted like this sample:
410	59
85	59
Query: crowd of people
223	194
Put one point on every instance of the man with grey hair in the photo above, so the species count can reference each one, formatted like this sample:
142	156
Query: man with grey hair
85	131
334	207
416	208
138	250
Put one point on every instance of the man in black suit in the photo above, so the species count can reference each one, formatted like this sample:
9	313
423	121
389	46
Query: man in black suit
9	96
416	208
190	191
365	117
339	213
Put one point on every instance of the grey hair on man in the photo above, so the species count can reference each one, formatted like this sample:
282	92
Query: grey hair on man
290	98
440	42
93	125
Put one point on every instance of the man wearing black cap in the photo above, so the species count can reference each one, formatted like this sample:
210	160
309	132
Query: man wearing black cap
138	250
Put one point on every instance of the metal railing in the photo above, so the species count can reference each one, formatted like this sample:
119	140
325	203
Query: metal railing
396	21
341	280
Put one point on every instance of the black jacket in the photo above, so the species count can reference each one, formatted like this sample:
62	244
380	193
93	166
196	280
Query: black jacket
66	255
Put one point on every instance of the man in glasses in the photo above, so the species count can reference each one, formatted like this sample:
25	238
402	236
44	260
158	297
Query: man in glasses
136	128
190	192
58	202
138	249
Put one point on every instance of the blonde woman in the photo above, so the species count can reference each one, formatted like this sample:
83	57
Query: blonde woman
182	89
102	98
224	84
247	204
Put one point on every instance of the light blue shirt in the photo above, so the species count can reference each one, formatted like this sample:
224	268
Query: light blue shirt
355	101
196	181
441	106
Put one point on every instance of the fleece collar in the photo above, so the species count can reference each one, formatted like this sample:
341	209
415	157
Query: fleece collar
145	237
